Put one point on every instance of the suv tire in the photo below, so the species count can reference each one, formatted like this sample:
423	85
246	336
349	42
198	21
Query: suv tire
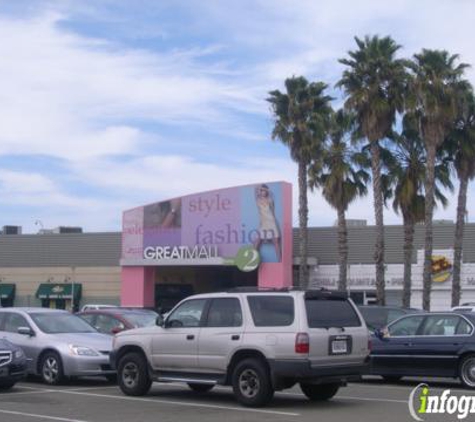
319	392
251	383
200	388
51	369
132	374
467	371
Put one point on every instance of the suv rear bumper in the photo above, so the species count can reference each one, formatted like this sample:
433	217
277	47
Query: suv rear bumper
303	371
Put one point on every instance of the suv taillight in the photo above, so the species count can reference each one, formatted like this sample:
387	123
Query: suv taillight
370	345
302	343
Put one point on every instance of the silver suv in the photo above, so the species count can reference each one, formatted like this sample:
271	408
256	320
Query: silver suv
257	342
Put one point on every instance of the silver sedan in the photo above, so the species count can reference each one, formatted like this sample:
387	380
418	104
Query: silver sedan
56	343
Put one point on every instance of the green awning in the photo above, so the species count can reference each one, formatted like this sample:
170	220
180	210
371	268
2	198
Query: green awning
7	291
59	291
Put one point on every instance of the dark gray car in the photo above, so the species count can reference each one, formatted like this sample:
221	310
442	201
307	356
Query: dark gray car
56	343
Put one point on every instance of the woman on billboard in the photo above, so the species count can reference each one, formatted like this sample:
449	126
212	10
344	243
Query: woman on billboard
268	227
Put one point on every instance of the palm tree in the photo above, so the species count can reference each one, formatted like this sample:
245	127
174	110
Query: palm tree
374	83
301	120
462	140
341	182
406	166
435	85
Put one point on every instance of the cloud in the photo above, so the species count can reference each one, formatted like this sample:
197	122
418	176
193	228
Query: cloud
37	190
145	101
68	96
160	177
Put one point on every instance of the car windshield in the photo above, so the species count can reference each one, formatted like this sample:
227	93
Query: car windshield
141	319
55	323
375	317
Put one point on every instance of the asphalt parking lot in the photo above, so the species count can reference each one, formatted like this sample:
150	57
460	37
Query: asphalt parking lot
98	401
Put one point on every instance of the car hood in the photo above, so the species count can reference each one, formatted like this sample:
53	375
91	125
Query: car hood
96	341
152	329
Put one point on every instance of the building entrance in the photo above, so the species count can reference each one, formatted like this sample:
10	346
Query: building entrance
173	284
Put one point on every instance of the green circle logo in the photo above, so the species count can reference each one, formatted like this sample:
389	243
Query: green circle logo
247	259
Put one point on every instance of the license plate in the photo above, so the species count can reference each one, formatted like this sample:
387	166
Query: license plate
3	372
339	347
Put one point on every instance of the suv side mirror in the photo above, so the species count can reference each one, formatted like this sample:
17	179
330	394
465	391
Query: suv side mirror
160	321
26	331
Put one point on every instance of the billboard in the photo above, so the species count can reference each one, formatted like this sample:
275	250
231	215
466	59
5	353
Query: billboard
240	226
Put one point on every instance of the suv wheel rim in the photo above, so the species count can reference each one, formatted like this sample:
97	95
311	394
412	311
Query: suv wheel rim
50	370
249	383
468	372
130	374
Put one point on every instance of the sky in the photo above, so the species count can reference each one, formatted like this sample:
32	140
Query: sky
106	105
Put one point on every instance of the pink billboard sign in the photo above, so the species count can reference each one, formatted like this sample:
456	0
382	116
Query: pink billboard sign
212	228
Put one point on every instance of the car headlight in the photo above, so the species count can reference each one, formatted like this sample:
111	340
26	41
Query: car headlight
18	354
82	351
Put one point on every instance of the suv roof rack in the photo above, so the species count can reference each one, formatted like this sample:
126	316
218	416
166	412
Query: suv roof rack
254	289
321	293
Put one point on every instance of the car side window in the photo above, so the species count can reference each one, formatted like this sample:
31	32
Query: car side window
225	312
272	311
106	324
89	318
464	328
405	327
188	314
13	322
440	325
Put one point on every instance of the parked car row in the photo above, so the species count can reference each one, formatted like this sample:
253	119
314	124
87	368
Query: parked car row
258	342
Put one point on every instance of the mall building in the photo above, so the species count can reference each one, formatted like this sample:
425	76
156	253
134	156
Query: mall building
214	241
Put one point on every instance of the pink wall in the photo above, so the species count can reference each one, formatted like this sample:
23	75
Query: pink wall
138	286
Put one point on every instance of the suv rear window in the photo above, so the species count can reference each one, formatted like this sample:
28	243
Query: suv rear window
324	313
272	311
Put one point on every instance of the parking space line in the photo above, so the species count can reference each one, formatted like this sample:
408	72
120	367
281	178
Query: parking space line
38	416
372	399
375	399
71	389
94	388
13	393
408	387
35	388
181	403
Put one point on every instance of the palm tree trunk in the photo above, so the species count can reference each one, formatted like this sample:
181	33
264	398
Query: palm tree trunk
429	212
378	210
342	250
303	222
408	246
458	241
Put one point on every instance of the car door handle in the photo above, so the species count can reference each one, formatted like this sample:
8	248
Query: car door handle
407	344
235	337
190	337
